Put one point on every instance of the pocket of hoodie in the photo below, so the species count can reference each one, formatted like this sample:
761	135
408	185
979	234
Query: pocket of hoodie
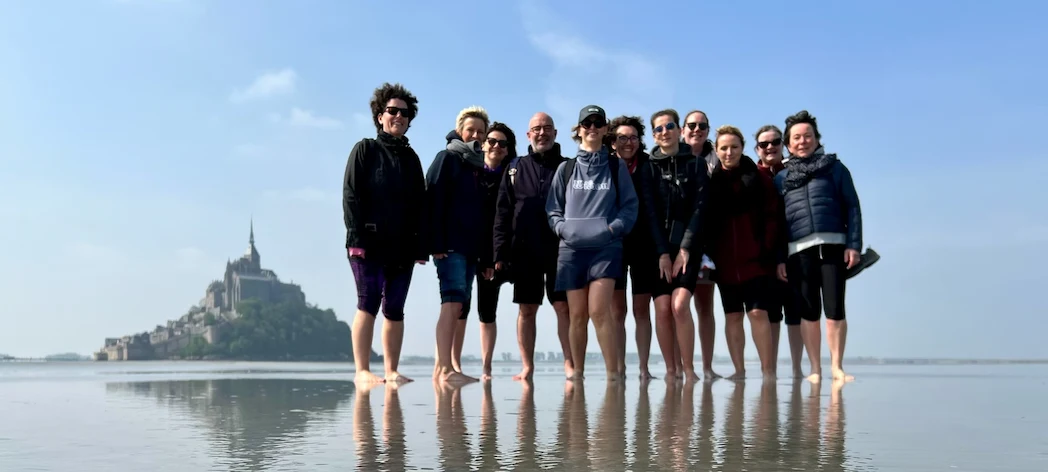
586	232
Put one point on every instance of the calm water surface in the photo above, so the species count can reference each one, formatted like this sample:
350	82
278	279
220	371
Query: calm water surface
203	416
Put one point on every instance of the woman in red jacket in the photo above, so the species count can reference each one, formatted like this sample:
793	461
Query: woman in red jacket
743	242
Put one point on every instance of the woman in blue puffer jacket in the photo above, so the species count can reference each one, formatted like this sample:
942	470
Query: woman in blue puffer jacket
824	230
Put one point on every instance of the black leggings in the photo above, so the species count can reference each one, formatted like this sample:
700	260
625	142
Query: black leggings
814	270
487	299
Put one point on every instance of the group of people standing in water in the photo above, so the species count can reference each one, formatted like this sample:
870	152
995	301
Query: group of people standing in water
778	237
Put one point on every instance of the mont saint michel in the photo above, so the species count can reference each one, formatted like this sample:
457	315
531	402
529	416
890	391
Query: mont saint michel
247	314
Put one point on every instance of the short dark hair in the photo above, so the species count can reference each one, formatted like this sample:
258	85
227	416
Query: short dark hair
802	117
631	121
669	111
388	92
510	136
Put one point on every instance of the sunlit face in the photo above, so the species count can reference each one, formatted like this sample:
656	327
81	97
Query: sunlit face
592	130
729	150
626	143
472	129
696	130
541	132
665	131
496	146
802	140
396	118
769	147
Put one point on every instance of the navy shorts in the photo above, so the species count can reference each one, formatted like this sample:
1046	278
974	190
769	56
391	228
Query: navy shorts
576	268
753	294
455	274
381	284
781	302
643	272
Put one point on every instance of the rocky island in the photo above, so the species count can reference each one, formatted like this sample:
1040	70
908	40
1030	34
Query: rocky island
250	314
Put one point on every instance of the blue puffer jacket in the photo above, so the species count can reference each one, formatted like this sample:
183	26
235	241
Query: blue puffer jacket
819	197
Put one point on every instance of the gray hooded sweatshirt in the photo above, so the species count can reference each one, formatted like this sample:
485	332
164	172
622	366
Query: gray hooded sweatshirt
588	215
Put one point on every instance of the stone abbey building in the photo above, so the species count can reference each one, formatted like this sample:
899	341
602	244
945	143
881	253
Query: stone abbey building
244	279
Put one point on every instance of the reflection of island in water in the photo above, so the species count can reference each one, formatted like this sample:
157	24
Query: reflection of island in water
255	422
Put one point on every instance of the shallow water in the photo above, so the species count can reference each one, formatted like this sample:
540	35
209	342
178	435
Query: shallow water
197	416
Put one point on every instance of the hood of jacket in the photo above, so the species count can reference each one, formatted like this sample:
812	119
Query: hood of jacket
471	152
593	159
390	140
683	150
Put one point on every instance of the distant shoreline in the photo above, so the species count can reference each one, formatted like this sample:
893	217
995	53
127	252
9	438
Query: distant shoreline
717	360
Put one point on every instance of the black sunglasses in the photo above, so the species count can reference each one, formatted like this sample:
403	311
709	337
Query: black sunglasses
668	127
696	124
594	123
774	142
405	112
502	143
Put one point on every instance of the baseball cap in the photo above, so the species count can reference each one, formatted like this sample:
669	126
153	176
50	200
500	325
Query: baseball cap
591	110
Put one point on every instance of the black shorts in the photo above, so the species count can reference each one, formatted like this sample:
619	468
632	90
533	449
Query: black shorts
487	297
814	273
781	302
686	280
753	294
531	278
643	272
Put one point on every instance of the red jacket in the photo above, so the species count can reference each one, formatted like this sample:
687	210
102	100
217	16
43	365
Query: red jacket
744	234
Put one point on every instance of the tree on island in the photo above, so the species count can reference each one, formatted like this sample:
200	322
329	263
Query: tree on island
277	331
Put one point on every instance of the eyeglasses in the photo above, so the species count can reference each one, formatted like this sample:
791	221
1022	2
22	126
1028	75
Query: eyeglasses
405	112
547	128
774	142
668	127
623	139
502	143
594	123
703	126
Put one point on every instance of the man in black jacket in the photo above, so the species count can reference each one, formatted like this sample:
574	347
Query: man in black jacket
525	245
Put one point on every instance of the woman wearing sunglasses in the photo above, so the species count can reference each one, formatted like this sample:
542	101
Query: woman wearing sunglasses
696	132
678	192
780	302
592	205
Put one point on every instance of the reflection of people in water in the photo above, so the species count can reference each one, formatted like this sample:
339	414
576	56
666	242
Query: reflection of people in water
572	443
489	444
526	429
609	445
643	450
452	435
393	434
364	429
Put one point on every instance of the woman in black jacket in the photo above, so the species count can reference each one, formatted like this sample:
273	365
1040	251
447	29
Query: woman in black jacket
383	192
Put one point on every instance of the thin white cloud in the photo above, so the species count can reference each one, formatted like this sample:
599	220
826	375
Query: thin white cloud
269	84
585	71
306	118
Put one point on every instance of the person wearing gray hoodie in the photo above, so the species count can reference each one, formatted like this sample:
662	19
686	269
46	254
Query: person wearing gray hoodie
592	205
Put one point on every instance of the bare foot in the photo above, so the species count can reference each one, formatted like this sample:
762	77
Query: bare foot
645	375
365	388
815	378
710	375
838	374
798	373
366	377
614	376
690	376
738	375
486	375
576	376
457	378
672	375
456	367
770	376
569	369
524	374
397	378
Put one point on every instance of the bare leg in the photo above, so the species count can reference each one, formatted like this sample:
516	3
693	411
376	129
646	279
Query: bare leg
488	334
563	333
363	332
642	315
392	340
446	327
836	336
735	336
685	326
776	331
600	294
578	332
526	340
811	332
456	347
666	333
796	349
707	327
618	310
760	329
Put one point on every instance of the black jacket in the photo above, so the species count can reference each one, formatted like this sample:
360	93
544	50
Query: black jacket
640	242
680	185
383	192
521	229
454	200
490	183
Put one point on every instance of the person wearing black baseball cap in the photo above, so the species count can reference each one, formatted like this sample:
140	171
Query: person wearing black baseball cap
592	205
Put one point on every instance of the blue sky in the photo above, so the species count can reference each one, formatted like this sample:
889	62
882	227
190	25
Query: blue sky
138	137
